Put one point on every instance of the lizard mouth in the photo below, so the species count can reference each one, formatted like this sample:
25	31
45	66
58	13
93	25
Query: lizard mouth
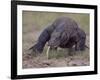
54	44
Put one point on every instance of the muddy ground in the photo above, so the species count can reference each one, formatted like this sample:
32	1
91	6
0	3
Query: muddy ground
41	61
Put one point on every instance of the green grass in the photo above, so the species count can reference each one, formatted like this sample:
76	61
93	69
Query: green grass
63	53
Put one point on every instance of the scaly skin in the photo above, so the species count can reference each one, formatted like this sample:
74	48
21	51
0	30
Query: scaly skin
63	32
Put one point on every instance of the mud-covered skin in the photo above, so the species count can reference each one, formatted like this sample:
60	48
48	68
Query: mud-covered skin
63	32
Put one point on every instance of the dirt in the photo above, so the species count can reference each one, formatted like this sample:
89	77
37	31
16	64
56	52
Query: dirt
41	61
